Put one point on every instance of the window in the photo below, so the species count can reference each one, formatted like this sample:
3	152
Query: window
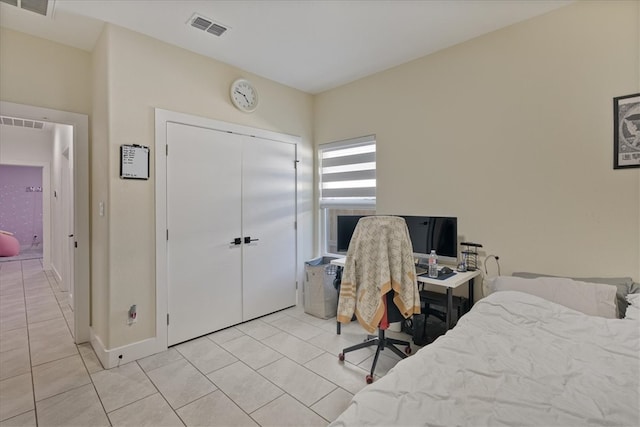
347	183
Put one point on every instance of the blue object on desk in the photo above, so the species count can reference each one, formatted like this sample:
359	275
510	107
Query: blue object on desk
441	275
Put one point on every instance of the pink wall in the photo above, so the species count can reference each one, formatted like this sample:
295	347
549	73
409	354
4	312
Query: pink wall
20	210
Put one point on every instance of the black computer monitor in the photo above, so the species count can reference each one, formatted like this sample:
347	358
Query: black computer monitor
426	233
346	226
433	232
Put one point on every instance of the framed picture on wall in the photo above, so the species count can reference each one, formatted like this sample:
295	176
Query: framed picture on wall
626	131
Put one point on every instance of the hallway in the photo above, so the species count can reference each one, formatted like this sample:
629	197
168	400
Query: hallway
38	358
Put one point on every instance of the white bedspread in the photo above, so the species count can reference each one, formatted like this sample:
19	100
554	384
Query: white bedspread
515	359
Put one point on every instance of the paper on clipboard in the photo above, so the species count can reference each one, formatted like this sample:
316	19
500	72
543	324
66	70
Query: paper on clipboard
134	162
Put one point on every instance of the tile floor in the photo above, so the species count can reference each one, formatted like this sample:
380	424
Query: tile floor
279	370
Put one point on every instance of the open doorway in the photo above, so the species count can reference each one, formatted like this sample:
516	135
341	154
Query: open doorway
65	194
21	209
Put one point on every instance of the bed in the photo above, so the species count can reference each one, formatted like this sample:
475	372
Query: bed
514	359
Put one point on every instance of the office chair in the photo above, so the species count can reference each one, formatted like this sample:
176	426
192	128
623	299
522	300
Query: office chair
379	283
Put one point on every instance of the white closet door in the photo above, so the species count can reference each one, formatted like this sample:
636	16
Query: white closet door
269	203
203	218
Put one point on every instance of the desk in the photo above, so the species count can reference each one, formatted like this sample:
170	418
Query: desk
460	278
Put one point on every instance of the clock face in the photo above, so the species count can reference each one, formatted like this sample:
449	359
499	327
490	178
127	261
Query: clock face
244	95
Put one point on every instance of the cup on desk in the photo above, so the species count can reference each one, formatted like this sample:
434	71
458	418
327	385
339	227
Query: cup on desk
462	265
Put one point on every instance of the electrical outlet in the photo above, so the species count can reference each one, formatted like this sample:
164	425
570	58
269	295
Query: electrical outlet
132	314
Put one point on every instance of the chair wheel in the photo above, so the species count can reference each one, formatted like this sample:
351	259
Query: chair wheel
341	357
369	379
407	349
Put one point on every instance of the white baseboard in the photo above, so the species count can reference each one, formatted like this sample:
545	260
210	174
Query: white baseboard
55	271
111	358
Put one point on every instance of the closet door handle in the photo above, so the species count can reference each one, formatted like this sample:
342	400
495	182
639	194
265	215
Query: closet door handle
236	241
249	239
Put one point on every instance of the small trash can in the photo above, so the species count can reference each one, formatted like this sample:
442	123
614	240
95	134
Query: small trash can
319	295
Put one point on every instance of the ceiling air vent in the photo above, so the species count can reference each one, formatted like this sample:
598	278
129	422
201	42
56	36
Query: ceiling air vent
38	6
23	123
205	24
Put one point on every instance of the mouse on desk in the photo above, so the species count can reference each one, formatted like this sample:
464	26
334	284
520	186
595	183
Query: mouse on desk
446	270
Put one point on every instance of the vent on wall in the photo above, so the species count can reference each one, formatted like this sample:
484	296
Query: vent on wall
206	24
37	6
23	123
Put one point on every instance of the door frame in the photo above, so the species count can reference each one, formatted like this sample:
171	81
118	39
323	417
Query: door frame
82	257
162	117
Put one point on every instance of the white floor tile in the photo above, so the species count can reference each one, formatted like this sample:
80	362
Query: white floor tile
248	389
15	338
10	301
50	340
43	312
121	386
28	419
252	352
258	329
334	344
59	376
39	299
16	395
294	326
301	383
344	374
385	363
160	359
333	404
206	355
270	318
286	411
316	321
152	411
215	410
180	383
13	320
77	407
90	359
294	348
225	335
14	362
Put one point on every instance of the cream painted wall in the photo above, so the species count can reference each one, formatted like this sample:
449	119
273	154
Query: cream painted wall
144	73
100	301
43	73
512	133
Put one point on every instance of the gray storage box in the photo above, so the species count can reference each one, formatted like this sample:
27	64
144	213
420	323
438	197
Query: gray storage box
320	297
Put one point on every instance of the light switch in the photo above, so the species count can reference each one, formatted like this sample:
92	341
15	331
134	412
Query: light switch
101	208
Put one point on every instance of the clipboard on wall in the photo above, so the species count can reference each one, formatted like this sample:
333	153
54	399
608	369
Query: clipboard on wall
134	162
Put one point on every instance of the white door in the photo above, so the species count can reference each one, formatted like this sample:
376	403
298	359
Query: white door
203	219
65	222
70	234
268	217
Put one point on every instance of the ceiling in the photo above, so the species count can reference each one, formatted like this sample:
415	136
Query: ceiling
310	45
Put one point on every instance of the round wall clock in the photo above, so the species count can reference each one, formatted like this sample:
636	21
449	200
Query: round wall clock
244	95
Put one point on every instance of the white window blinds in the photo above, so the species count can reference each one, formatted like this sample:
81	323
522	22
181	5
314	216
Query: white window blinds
348	172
